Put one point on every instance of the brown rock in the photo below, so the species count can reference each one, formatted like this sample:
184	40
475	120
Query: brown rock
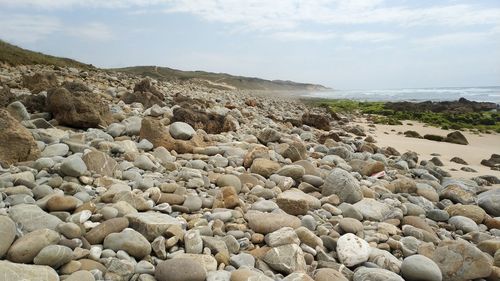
97	234
269	222
88	265
209	122
100	163
460	261
147	99
316	120
490	246
296	202
471	211
154	131
78	109
457	194
62	203
456	137
254	153
264	167
180	269
25	249
17	142
328	274
40	82
296	151
6	96
226	198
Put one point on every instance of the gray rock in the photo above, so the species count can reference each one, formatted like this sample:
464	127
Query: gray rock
342	184
18	111
116	129
372	209
268	135
15	271
7	234
418	267
219	275
143	162
193	243
57	149
31	217
193	203
269	222
242	259
132	125
286	259
463	223
375	274
181	130
54	256
460	261
73	166
282	236
81	275
229	180
180	269
490	201
151	224
129	241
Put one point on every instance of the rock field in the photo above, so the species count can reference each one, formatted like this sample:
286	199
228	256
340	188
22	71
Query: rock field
107	176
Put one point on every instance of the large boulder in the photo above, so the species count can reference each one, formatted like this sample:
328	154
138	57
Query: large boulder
155	132
17	142
211	123
316	120
456	137
344	185
40	82
16	271
460	260
78	109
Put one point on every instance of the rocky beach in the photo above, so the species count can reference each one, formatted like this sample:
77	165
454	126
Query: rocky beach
114	176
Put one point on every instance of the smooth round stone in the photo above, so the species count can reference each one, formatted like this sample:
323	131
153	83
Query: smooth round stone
129	241
58	149
242	259
352	250
7	234
328	274
344	185
25	249
108	212
418	267
463	223
97	234
193	203
81	275
181	130
229	180
143	162
43	163
180	269
10	271
375	274
350	225
62	203
264	206
54	256
69	229
309	222
437	215
73	166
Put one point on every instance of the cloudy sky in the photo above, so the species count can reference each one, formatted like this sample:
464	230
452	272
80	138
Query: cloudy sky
345	44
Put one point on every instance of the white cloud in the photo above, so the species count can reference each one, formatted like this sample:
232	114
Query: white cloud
93	31
456	38
373	37
27	28
23	28
302	35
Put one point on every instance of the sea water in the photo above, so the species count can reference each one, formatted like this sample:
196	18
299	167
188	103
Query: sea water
488	94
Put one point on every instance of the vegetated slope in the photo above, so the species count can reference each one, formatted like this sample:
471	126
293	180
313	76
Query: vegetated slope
15	55
221	80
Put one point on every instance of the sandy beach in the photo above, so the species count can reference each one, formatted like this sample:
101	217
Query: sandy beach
480	146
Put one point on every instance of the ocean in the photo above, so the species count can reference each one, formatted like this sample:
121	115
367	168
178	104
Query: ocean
488	94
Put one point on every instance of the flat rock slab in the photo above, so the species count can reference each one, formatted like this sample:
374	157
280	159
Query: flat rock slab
150	224
16	271
31	217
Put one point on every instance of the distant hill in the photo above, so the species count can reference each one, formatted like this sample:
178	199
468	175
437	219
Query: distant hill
14	55
220	80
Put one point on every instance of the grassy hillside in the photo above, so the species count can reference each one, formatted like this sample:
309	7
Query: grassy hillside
221	80
14	55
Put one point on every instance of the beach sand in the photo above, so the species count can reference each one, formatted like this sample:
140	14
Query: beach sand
480	146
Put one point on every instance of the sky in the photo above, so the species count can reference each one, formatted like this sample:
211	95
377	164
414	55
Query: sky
343	44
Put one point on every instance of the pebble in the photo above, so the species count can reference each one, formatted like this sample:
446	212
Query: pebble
418	267
352	250
179	270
